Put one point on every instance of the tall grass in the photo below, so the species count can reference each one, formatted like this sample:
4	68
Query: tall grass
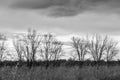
60	73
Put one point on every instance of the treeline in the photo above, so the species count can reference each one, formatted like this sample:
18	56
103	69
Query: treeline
32	46
59	63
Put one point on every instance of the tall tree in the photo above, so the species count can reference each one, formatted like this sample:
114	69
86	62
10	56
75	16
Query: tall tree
97	47
31	42
81	47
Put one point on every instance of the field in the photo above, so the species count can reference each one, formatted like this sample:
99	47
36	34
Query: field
60	73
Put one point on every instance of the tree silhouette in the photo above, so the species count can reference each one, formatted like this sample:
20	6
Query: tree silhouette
51	48
81	47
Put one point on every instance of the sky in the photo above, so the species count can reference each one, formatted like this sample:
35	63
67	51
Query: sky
65	18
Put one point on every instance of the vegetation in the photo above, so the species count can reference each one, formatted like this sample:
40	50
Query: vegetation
39	58
60	73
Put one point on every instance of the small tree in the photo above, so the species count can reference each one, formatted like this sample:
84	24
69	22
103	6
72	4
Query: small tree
81	48
18	48
2	49
111	50
51	48
56	50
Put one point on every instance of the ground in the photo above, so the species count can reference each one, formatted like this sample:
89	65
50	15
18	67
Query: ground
60	73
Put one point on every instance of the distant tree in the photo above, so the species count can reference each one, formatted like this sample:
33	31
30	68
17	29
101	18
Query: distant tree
57	50
111	50
19	48
31	42
80	46
102	47
97	47
3	47
51	48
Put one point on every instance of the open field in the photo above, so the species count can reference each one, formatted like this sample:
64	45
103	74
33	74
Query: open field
60	73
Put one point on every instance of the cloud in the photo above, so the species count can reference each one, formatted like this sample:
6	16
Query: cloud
22	14
68	7
38	4
65	7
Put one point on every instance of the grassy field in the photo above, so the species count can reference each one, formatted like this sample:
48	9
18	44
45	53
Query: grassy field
60	73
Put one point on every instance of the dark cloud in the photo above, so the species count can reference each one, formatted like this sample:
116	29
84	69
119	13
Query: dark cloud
38	4
66	7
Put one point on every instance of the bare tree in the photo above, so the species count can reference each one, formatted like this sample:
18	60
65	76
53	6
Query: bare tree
97	46
56	50
51	48
30	45
2	49
18	48
81	48
111	50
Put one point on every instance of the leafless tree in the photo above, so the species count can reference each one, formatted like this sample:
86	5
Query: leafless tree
51	48
81	47
2	49
111	50
18	48
97	46
30	44
56	50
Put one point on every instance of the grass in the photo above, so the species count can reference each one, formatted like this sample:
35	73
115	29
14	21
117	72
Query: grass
60	73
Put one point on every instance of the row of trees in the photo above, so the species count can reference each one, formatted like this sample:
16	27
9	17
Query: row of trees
31	46
98	47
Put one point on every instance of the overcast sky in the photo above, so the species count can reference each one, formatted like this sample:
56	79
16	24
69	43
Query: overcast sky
62	17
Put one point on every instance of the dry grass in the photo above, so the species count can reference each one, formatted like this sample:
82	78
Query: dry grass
60	73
